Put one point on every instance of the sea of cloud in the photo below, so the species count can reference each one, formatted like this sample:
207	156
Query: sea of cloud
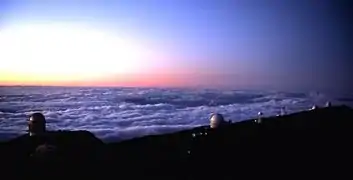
114	114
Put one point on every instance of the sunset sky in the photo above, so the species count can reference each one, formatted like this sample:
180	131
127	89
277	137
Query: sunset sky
185	43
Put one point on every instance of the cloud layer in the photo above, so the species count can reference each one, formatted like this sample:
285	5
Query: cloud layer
124	113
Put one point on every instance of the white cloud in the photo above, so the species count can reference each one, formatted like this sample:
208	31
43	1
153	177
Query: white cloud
117	114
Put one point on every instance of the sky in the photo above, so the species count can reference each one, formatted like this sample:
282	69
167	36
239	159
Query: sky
238	44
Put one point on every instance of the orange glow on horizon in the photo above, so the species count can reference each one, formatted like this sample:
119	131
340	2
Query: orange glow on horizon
131	80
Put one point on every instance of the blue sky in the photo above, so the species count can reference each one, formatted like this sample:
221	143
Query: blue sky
249	44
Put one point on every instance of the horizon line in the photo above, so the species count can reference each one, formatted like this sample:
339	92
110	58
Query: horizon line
112	86
146	87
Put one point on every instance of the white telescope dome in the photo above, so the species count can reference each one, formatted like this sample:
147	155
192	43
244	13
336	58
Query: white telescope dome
328	104
216	120
314	107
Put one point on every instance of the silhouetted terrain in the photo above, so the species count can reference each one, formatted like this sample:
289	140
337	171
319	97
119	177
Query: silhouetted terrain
312	142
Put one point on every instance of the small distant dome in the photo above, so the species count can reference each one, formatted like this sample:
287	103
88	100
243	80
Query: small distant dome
259	118
216	120
314	107
283	111
37	118
328	104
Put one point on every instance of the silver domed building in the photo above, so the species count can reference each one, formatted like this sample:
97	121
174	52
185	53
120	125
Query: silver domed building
328	104
36	124
216	120
314	107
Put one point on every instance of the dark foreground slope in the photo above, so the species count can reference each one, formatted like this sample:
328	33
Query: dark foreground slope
317	142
